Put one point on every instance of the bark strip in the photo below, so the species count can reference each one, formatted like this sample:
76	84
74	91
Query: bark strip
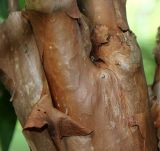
156	89
23	75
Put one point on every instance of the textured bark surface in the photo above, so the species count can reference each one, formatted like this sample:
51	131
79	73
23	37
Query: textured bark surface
12	5
76	77
22	74
156	89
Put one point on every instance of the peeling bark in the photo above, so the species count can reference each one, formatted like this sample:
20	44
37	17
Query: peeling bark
156	89
85	90
22	72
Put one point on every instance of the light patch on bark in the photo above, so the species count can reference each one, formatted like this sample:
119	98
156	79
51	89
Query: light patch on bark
111	125
116	111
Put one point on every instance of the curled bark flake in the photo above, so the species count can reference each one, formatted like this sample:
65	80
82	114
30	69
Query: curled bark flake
59	124
100	35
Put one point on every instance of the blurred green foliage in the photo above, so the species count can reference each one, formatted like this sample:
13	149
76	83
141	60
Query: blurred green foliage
143	17
21	4
7	119
18	142
3	9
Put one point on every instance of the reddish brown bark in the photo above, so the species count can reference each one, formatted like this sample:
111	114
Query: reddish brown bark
99	98
156	89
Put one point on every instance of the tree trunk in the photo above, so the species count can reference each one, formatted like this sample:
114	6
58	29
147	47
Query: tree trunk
76	76
155	90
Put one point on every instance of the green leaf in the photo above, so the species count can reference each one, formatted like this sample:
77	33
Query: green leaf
7	119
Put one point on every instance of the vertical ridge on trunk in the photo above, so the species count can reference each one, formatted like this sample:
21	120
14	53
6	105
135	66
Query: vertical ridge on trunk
155	99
